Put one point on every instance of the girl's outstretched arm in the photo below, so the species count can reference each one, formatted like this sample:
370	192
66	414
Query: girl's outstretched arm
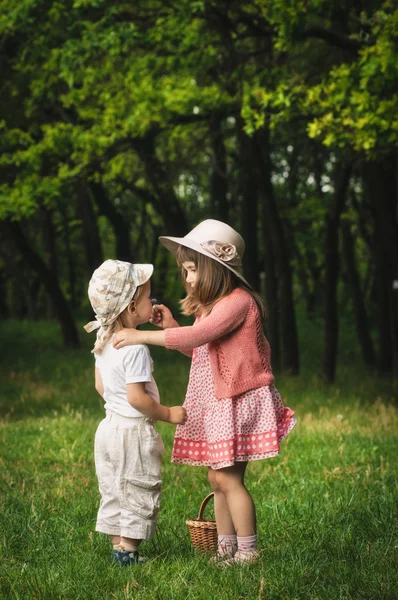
132	337
228	314
161	317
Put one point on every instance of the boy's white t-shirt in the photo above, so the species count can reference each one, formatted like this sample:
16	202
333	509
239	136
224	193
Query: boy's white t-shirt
130	364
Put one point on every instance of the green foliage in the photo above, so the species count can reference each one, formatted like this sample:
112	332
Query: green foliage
109	77
93	76
354	104
357	104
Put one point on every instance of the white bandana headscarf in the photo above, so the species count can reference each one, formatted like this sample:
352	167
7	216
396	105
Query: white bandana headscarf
110	291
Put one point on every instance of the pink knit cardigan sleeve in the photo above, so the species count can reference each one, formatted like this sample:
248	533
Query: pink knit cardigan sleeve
227	315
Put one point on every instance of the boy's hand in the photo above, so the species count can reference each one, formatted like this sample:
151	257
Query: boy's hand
127	337
162	317
178	415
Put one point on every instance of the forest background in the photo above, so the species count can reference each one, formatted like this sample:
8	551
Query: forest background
123	121
120	122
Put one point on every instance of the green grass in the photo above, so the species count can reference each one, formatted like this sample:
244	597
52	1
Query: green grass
327	507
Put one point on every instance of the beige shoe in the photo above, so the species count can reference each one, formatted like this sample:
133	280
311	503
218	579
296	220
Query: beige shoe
222	555
248	557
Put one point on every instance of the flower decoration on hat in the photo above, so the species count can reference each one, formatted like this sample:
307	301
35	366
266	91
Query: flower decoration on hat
223	251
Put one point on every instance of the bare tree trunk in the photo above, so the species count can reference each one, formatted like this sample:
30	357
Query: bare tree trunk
165	201
15	280
4	310
50	245
361	319
70	261
380	181
331	332
91	236
288	328
61	307
121	227
302	273
218	177
249	211
33	294
143	242
271	294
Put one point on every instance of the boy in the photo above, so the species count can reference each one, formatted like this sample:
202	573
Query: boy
128	449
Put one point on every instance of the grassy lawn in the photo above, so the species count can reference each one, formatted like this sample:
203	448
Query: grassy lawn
327	507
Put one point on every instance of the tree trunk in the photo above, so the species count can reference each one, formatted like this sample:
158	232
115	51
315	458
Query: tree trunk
70	260
143	241
249	211
218	177
33	293
380	181
166	202
19	301
331	332
288	329
61	307
91	236
361	319
121	227
50	247
302	272
271	294
4	310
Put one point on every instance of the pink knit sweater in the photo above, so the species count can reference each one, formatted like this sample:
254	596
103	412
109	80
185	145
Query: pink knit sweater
240	355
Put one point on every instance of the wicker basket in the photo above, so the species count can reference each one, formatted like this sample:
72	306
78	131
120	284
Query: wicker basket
203	531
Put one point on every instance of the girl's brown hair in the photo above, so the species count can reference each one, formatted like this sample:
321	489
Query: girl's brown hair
216	281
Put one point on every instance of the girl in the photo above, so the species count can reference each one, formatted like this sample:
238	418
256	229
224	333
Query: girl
128	450
234	412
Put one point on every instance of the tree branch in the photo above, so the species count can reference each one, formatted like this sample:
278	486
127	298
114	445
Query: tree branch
332	38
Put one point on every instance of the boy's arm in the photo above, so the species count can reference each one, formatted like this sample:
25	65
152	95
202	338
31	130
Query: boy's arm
163	317
139	399
99	386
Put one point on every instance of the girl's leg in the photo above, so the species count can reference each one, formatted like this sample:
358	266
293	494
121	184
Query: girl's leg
225	525
241	510
227	545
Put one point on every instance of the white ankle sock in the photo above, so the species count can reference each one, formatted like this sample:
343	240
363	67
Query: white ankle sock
247	544
227	545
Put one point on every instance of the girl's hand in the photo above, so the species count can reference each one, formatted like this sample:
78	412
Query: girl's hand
178	415
127	337
162	317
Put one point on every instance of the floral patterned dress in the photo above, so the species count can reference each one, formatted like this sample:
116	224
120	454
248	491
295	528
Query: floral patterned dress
218	433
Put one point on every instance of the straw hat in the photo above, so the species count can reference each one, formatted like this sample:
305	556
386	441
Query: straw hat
213	239
111	289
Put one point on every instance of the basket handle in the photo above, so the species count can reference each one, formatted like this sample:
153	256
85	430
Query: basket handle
203	505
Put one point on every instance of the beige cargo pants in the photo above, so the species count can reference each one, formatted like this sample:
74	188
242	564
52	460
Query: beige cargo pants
128	456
